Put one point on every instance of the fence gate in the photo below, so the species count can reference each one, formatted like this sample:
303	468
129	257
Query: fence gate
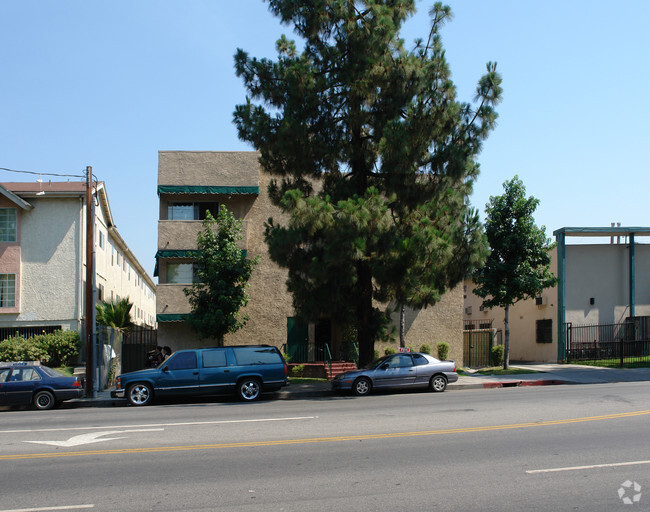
478	339
137	344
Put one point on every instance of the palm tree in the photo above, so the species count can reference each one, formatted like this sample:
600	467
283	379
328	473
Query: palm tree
115	314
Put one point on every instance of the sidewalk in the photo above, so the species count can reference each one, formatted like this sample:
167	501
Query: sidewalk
550	374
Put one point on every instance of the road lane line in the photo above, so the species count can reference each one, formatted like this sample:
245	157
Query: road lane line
285	442
151	425
593	466
44	509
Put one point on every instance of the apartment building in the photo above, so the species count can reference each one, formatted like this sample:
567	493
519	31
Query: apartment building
191	182
43	258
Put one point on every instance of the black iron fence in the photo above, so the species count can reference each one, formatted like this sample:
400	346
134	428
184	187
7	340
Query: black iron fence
617	344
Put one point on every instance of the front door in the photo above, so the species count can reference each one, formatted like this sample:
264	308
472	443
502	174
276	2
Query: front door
179	374
297	340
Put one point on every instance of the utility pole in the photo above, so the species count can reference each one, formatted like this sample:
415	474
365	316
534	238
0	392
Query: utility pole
90	279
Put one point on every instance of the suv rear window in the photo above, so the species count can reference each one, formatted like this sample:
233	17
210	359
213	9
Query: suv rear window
257	355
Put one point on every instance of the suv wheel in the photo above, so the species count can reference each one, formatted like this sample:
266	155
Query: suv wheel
249	389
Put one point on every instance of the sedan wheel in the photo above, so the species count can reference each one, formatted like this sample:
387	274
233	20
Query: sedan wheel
43	400
438	383
140	394
249	389
361	386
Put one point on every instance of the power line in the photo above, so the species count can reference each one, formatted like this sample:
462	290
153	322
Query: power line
44	173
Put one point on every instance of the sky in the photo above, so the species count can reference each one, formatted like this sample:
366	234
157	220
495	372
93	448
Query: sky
109	84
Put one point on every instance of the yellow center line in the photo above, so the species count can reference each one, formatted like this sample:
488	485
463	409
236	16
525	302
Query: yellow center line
364	437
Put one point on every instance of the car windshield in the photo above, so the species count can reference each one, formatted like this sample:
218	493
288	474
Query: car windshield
376	363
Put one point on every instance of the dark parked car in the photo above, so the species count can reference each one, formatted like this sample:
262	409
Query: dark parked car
24	383
405	370
246	370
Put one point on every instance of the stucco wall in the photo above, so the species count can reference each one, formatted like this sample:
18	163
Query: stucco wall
208	168
50	245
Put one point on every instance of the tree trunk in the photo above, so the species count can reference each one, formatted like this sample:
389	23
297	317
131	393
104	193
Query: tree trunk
506	342
364	315
402	314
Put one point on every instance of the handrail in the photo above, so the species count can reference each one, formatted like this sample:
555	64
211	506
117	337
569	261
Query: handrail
328	359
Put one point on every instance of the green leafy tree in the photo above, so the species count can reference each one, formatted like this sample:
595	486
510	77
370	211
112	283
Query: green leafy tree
373	159
518	266
222	273
115	314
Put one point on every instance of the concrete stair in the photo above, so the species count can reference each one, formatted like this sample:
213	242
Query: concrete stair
338	367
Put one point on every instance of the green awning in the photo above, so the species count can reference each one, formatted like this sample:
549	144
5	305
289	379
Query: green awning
172	317
180	253
177	253
194	189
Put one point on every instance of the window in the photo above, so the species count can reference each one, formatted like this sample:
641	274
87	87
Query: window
119	259
419	360
191	210
214	358
100	292
544	331
257	355
7	290
101	240
182	361
180	273
7	224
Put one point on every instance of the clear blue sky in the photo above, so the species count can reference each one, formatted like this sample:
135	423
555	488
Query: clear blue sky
109	84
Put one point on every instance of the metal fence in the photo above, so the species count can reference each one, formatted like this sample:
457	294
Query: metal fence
617	344
28	331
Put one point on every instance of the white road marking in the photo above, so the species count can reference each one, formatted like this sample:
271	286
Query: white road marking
44	509
182	424
593	466
92	437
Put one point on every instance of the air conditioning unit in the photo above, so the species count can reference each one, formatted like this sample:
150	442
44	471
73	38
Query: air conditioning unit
468	310
540	301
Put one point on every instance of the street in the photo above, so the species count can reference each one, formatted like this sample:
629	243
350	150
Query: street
581	447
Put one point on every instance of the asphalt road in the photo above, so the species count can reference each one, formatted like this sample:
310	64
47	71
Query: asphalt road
550	448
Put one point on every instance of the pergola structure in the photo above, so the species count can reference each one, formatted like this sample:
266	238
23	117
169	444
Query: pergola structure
560	237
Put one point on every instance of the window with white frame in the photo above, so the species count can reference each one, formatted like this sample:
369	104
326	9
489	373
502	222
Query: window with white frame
191	210
7	290
8	224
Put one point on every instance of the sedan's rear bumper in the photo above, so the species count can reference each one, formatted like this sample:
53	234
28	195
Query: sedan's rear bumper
451	377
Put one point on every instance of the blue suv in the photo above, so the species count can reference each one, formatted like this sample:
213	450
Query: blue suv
246	370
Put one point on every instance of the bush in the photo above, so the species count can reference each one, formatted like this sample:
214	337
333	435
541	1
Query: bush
17	348
376	354
298	370
62	347
443	350
497	355
425	349
389	350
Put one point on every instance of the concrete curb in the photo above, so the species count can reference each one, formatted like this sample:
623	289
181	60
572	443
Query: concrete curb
323	390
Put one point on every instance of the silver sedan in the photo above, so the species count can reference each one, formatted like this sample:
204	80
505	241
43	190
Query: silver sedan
404	370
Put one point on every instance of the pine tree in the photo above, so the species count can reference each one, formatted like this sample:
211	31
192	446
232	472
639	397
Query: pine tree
222	273
373	159
518	266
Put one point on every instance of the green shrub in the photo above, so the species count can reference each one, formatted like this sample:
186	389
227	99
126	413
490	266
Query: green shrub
497	355
425	349
63	347
377	356
443	350
17	348
298	370
389	350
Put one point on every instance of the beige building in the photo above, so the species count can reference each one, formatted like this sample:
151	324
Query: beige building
191	182
599	284
43	258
